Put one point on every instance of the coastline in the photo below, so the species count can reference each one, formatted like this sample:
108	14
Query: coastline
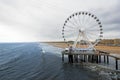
111	49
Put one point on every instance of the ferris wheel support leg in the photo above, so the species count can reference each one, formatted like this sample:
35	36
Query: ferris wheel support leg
89	43
75	44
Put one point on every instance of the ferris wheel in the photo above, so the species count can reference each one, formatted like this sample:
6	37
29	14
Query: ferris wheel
83	29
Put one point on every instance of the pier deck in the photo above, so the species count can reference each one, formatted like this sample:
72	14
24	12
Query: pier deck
87	56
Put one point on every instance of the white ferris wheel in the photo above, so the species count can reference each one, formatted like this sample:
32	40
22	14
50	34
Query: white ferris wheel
83	29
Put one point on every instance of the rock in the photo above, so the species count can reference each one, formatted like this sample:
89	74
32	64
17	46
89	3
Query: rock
114	76
118	77
104	76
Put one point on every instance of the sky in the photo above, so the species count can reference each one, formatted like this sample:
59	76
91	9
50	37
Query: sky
42	20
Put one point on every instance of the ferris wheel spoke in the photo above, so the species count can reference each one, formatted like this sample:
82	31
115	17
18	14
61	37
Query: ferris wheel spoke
89	37
75	21
72	23
88	40
71	26
76	40
87	20
72	31
93	26
92	38
88	30
93	29
92	33
92	19
68	30
69	35
80	21
68	26
92	22
83	20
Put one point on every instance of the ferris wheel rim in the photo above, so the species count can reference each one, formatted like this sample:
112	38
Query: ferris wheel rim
83	13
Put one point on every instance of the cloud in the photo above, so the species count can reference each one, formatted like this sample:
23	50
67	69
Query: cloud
42	20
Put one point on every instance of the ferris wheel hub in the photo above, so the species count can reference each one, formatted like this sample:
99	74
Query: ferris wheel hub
82	30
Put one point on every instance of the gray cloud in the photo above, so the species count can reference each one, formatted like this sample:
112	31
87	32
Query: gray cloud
40	20
111	21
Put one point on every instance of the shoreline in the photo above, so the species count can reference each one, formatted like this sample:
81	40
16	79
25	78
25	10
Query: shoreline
110	49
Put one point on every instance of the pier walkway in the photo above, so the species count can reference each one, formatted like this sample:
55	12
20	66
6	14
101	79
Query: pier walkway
91	56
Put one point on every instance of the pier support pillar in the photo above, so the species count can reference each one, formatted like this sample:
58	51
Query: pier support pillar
116	61
96	58
99	58
92	58
76	58
107	59
104	59
84	58
63	57
81	58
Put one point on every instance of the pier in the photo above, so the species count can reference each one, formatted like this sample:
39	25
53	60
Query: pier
93	57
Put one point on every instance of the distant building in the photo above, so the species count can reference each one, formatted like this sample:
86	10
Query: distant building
110	42
117	41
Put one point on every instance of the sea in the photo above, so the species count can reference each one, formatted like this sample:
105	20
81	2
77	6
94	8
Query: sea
38	61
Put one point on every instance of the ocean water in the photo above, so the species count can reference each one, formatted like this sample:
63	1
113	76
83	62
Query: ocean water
38	61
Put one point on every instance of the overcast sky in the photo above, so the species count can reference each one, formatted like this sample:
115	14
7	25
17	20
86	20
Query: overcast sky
42	20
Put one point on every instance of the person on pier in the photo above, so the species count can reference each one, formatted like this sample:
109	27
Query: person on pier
70	56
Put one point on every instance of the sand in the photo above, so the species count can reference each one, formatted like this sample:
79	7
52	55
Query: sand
111	49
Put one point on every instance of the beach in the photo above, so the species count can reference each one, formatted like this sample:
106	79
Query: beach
110	49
